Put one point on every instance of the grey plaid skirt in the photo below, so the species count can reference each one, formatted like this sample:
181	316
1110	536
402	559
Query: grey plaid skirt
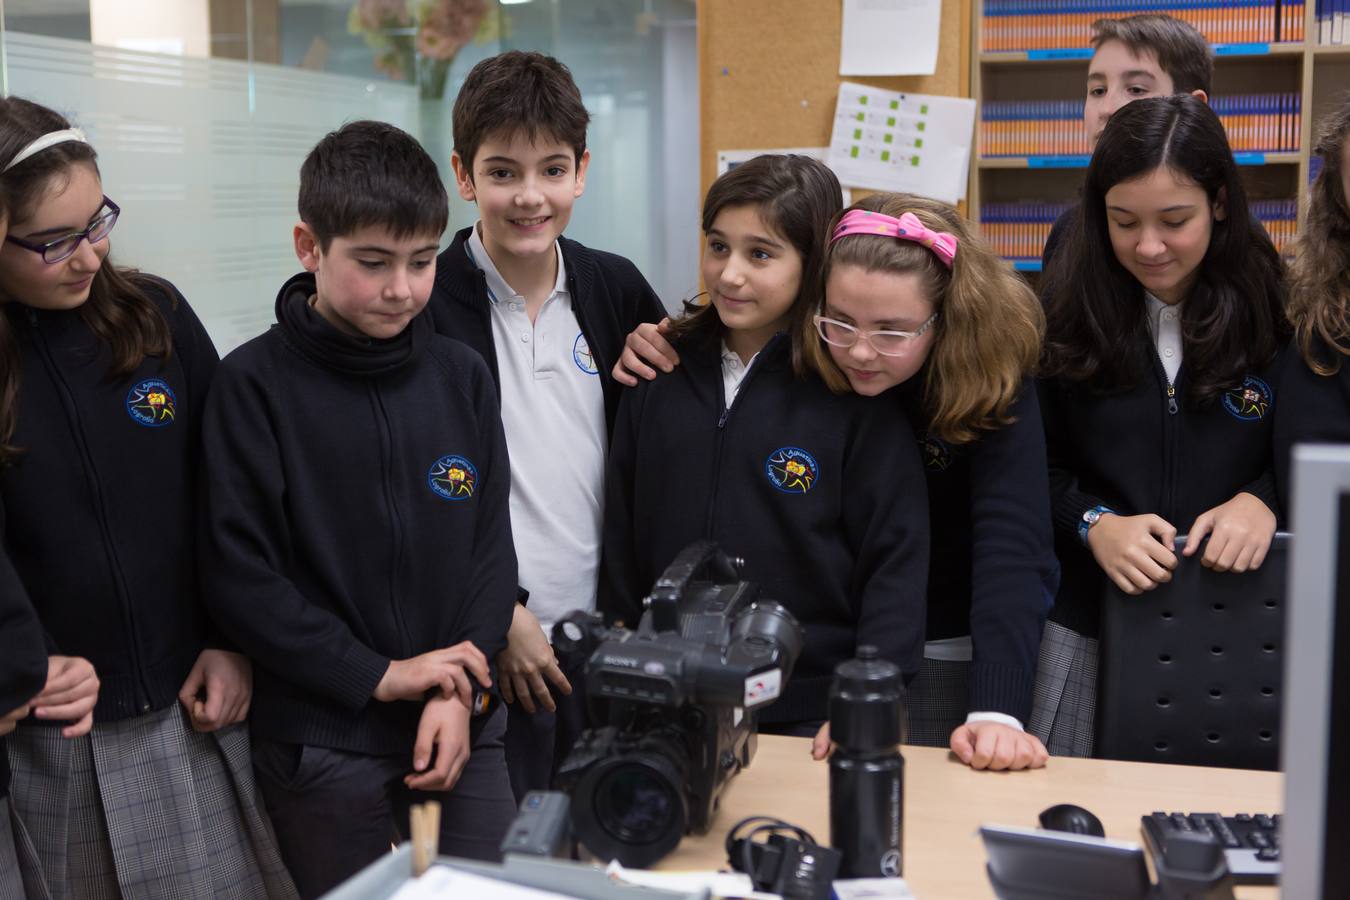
20	874
936	701
145	809
1064	707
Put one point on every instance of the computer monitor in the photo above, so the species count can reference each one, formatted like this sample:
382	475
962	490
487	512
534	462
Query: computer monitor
1316	731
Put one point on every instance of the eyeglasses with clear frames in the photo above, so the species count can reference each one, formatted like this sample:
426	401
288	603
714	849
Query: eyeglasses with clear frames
887	343
64	247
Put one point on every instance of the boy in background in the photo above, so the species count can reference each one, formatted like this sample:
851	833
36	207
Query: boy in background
550	316
1133	58
357	542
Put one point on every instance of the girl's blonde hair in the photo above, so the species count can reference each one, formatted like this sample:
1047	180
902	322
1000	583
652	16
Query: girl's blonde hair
989	323
1319	293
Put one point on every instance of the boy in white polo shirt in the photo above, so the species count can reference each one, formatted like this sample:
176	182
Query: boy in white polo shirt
550	316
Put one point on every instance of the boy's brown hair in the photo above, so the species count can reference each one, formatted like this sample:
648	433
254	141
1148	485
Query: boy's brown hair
519	93
1181	51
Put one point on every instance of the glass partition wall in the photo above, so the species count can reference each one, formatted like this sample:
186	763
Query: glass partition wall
202	111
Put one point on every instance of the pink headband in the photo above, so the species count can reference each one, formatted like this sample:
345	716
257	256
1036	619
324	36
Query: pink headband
906	228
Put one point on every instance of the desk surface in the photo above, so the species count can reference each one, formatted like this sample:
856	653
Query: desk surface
945	802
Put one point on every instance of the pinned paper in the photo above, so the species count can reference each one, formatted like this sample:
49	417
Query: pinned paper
730	159
890	141
890	37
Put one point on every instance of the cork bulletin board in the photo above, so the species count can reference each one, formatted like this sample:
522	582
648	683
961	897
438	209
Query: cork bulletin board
769	72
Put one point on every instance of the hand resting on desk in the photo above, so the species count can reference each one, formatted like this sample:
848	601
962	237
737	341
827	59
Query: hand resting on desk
980	745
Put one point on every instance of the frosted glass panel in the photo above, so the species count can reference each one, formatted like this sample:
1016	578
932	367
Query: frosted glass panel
203	159
203	153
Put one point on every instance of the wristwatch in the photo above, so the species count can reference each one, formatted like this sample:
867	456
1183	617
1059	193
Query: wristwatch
1090	518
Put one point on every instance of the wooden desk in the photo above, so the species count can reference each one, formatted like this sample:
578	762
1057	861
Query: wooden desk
945	802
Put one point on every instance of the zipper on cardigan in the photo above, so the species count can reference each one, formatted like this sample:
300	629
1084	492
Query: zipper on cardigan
1170	450
1171	389
722	425
96	490
396	525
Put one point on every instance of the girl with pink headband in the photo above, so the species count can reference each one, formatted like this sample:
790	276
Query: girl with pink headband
822	496
918	309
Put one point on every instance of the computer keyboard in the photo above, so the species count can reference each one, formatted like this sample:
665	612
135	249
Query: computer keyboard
1250	842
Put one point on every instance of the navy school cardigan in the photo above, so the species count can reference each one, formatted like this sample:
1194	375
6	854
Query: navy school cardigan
356	513
822	495
99	509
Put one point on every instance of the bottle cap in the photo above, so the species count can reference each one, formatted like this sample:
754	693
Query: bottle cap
867	703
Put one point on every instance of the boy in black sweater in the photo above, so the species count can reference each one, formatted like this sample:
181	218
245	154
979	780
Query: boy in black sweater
549	316
357	538
1148	55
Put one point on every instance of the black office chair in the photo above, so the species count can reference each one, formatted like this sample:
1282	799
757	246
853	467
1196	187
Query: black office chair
1191	671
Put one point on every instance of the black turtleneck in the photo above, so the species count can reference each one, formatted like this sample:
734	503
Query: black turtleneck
356	513
319	341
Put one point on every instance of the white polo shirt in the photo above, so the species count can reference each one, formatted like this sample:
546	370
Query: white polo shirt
553	412
1164	323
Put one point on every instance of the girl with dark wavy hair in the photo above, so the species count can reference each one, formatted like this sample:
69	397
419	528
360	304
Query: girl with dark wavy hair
1316	407
102	376
1165	327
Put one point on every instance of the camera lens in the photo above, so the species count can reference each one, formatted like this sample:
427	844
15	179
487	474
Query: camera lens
630	807
635	804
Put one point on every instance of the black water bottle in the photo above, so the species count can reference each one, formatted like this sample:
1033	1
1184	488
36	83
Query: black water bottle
867	772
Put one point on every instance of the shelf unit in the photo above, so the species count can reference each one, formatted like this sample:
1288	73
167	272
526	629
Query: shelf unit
1319	74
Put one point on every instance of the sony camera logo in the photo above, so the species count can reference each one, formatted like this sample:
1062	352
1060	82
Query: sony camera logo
628	662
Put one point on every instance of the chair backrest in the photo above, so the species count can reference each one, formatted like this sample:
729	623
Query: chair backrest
1191	672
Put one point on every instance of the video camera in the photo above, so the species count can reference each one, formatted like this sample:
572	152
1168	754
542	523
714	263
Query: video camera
682	694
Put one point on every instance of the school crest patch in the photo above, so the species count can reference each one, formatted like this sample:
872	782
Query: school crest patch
1249	402
453	478
792	470
583	357
152	403
936	456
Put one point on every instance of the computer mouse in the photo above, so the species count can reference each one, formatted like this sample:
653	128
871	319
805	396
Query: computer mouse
1073	819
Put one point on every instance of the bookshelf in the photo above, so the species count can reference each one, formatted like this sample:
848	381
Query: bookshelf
1283	86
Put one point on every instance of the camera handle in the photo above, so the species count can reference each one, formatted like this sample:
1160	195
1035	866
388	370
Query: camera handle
694	560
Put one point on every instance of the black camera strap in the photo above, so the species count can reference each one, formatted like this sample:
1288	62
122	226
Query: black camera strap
789	862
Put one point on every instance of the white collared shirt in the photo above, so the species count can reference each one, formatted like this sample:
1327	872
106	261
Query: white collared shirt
553	413
1164	323
733	373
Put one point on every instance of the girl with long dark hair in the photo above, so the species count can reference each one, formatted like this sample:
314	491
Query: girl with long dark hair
102	376
1164	335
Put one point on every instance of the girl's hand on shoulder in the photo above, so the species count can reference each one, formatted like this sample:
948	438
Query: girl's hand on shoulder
1239	532
10	720
218	690
69	695
645	347
1134	551
993	745
442	736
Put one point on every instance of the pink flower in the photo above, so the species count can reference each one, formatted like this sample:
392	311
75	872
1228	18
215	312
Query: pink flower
447	25
377	15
